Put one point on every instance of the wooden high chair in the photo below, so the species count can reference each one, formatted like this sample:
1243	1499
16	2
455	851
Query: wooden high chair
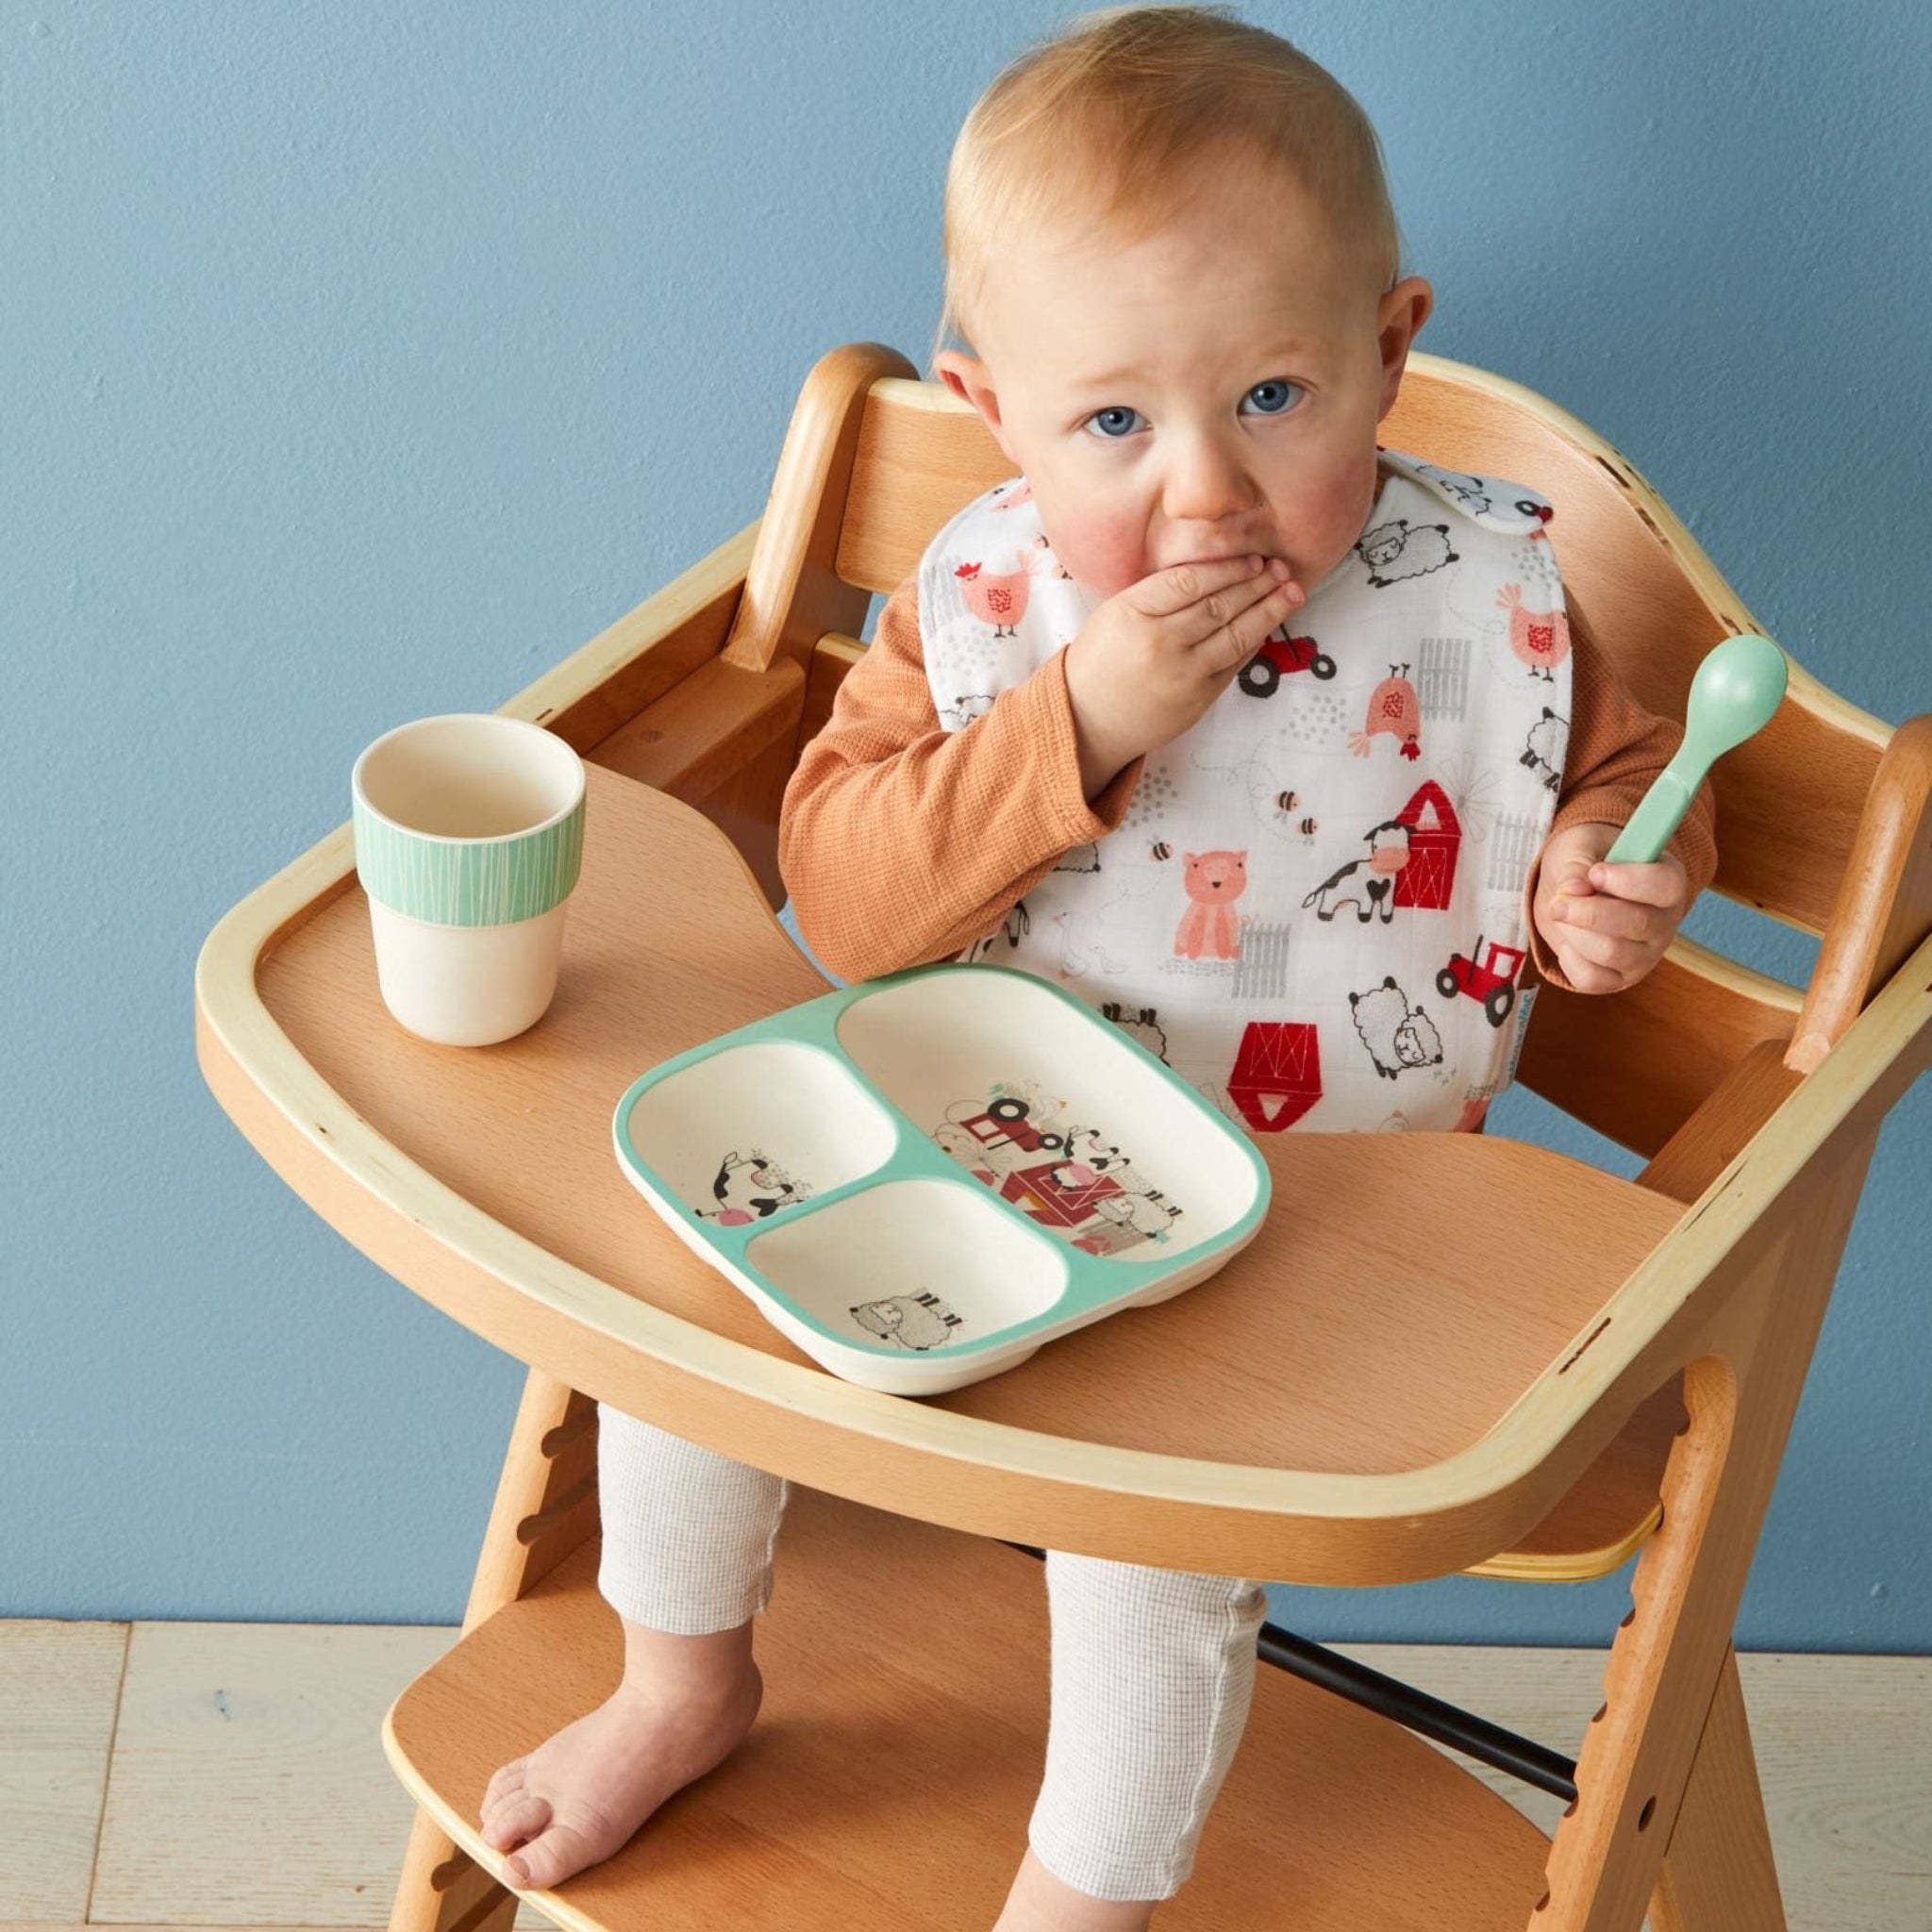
1569	1367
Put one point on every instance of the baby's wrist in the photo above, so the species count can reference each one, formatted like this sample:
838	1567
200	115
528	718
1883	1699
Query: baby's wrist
1100	763
1103	747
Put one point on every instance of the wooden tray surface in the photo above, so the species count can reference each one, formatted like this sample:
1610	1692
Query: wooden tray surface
1404	1292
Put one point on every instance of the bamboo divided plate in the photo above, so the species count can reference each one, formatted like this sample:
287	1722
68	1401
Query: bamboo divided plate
920	1179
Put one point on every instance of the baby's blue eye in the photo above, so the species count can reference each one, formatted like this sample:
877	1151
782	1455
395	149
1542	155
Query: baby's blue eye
1274	398
1113	423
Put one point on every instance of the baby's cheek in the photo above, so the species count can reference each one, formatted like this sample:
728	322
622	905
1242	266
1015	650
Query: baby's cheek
1103	554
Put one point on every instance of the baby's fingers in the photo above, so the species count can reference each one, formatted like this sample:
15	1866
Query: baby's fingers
1662	884
1616	919
1619	956
1240	635
1184	584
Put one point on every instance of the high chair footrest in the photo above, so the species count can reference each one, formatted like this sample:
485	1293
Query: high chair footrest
889	1780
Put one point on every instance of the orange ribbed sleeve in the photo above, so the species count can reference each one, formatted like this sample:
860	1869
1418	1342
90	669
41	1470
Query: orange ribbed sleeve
901	842
1616	749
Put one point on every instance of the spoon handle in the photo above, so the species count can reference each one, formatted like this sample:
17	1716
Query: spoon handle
1660	813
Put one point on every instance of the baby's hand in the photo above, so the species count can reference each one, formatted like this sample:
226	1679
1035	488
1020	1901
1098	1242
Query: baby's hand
1153	657
1608	924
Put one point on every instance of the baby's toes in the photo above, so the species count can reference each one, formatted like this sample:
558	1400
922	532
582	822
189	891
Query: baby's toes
551	1858
516	1817
504	1780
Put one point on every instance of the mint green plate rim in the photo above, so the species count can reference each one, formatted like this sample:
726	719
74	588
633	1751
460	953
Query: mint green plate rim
1092	1281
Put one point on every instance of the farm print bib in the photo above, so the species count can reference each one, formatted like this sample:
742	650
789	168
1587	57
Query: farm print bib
1313	908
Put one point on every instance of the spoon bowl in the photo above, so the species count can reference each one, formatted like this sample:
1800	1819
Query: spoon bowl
1737	690
1734	695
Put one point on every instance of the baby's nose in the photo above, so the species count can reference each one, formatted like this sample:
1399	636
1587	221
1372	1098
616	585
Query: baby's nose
1205	482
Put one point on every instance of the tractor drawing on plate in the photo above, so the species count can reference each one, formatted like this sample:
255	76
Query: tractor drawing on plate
1005	1123
1492	984
1282	657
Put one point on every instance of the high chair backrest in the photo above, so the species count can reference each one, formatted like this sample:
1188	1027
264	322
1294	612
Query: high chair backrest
883	459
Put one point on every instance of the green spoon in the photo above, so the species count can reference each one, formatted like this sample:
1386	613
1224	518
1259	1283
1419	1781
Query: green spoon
1737	687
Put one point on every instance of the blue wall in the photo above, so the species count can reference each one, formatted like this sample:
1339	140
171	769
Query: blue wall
360	361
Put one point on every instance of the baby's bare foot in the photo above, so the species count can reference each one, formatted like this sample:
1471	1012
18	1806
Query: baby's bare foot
579	1796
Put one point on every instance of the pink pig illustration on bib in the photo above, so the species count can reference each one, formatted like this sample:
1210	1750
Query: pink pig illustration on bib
1214	880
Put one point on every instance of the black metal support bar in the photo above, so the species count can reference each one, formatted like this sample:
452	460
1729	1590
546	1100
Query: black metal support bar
1415	1710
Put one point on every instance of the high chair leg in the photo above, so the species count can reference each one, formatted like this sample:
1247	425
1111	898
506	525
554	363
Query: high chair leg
442	1891
1719	1874
546	1504
1665	1696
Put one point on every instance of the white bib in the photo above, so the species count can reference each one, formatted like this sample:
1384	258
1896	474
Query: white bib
1313	908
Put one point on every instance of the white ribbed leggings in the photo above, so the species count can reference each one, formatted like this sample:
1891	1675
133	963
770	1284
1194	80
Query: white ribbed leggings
1153	1670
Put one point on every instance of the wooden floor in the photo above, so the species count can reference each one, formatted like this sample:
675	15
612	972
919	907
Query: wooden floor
229	1774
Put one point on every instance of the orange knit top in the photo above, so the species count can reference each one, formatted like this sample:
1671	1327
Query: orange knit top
901	842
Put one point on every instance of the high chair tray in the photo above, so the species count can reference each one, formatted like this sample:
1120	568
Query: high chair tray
1359	1396
923	1178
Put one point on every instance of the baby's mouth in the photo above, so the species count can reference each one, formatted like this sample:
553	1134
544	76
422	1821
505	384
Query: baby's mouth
1263	548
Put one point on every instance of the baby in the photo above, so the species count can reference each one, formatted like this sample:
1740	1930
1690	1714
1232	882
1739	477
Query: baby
1216	712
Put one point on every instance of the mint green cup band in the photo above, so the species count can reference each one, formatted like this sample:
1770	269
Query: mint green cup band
448	879
468	882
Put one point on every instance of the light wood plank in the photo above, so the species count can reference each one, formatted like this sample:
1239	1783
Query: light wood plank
248	1786
59	1683
1844	1748
1845	1755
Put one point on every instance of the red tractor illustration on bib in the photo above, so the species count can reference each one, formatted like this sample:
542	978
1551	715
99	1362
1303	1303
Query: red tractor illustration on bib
1281	657
1492	984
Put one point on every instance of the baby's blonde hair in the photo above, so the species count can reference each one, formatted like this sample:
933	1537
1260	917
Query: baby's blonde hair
1109	118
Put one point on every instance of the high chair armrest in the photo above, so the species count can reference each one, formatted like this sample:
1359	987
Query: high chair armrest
1723	1124
1681	1302
633	662
1884	905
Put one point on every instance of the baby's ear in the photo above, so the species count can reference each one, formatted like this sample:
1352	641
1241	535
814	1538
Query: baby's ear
969	379
1399	318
